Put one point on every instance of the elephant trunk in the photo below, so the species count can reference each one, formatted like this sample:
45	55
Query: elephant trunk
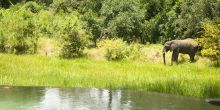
164	56
164	59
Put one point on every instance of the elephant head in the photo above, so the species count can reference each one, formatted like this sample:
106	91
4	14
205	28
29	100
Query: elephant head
167	47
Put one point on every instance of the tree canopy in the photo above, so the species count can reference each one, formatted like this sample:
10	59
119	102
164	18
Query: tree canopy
143	21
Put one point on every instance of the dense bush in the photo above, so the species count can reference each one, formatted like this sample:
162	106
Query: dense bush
135	52
210	40
17	31
23	24
116	49
67	27
70	29
124	19
73	45
140	20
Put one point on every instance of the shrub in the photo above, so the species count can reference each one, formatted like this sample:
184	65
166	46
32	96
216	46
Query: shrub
135	51
17	31
33	7
69	28
210	41
116	49
73	45
18	28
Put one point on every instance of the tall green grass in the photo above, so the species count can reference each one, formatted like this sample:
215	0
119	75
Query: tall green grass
189	79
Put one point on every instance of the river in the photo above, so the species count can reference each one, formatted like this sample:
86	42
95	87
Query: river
41	98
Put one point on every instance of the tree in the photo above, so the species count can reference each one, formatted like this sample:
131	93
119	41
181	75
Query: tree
124	18
210	40
17	31
190	14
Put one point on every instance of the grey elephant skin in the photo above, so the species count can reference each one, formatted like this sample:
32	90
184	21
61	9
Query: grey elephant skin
186	46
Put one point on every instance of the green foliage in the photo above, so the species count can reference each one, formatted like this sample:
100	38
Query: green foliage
56	24
135	51
184	19
23	24
142	21
73	45
90	6
210	40
69	28
116	49
33	7
124	18
93	25
150	21
17	31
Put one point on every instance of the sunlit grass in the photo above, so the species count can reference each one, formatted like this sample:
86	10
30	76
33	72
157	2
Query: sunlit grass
189	79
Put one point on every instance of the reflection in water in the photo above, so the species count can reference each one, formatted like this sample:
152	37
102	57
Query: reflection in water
31	98
51	99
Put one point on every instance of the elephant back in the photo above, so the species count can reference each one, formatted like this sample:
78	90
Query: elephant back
190	42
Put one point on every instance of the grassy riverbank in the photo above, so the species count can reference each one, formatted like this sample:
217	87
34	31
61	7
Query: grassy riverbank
190	79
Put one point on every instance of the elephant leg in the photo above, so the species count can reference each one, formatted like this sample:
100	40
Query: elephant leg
174	57
192	57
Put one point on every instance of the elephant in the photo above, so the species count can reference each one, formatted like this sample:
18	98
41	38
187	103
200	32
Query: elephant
187	46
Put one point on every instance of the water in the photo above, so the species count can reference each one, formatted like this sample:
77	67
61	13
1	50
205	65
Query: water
35	98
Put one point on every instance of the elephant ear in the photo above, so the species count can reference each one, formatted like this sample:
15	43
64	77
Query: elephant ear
173	46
